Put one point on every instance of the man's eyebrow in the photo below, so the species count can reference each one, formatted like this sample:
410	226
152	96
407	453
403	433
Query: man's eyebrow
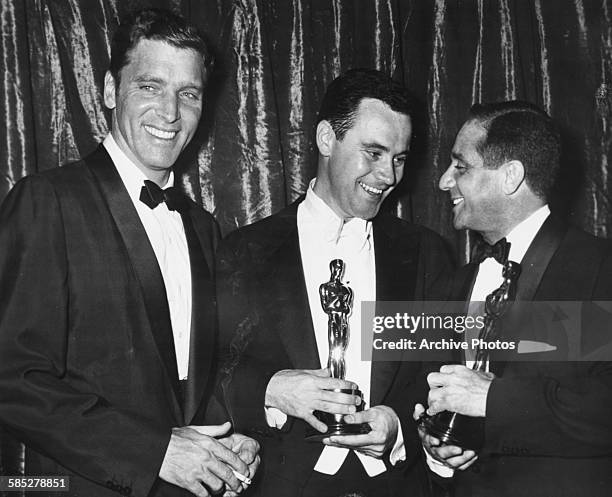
148	78
458	156
375	145
382	148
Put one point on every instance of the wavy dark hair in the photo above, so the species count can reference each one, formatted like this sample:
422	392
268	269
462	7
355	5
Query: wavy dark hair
155	24
518	130
345	93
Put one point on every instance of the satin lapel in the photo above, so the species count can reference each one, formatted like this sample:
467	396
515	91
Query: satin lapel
463	282
396	266
462	286
537	258
295	327
143	261
203	317
533	267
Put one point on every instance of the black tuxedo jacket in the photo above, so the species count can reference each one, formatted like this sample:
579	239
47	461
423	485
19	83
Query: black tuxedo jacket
266	326
548	424
88	375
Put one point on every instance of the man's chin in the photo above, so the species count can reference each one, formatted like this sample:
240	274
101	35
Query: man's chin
161	155
370	211
162	162
367	216
459	225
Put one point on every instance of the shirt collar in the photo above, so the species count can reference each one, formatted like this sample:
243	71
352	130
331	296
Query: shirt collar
522	235
132	177
329	224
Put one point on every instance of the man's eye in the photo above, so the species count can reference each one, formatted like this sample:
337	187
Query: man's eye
399	161
461	169
373	154
189	95
147	87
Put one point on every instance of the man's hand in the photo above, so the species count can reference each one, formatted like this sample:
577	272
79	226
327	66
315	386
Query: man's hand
459	389
450	455
384	424
300	392
247	449
194	458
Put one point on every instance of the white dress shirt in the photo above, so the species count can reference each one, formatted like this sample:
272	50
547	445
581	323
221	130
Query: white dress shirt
490	277
323	237
166	233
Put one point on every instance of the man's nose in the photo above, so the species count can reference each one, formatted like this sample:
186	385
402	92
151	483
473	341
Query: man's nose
447	180
169	107
385	172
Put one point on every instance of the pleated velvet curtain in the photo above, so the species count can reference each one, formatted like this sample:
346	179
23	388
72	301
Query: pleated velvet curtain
254	152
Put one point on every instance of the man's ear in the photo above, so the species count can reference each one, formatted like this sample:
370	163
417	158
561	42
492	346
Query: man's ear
514	176
109	91
325	138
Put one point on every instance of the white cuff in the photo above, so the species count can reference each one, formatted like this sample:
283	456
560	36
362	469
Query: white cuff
437	467
398	452
275	417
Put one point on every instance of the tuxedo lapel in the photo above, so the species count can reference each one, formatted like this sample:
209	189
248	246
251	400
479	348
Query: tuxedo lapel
396	266
537	258
396	263
286	274
534	265
463	283
203	318
461	290
143	260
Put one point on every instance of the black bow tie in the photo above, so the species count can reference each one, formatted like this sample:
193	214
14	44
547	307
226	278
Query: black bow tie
499	251
152	195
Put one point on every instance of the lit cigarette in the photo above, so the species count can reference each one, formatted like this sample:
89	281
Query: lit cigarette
244	479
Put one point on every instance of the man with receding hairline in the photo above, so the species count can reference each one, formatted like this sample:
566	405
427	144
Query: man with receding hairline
107	321
546	413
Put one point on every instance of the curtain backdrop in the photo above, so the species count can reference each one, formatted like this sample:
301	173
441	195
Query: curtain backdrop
254	151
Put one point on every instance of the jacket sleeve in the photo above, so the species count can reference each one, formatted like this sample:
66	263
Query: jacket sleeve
552	416
434	266
242	379
564	411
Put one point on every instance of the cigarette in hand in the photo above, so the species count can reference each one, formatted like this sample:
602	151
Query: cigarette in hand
244	479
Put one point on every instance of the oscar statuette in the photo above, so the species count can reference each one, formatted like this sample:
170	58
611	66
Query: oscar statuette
337	301
465	431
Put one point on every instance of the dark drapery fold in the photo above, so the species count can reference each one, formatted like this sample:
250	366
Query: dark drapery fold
18	149
254	152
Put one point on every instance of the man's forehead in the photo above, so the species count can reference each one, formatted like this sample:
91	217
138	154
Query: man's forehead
149	54
154	44
368	106
375	121
469	136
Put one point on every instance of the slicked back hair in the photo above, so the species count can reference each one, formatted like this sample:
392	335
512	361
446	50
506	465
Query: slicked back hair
345	93
518	130
159	25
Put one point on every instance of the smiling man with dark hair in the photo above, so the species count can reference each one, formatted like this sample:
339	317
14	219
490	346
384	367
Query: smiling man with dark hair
275	329
107	320
544	411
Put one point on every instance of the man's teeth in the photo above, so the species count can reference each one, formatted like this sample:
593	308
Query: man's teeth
166	135
370	189
457	200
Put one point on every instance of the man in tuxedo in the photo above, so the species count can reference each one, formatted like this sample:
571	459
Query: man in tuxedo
545	407
274	327
107	317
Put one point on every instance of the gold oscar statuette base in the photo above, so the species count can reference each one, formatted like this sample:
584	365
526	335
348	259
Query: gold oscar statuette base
335	423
